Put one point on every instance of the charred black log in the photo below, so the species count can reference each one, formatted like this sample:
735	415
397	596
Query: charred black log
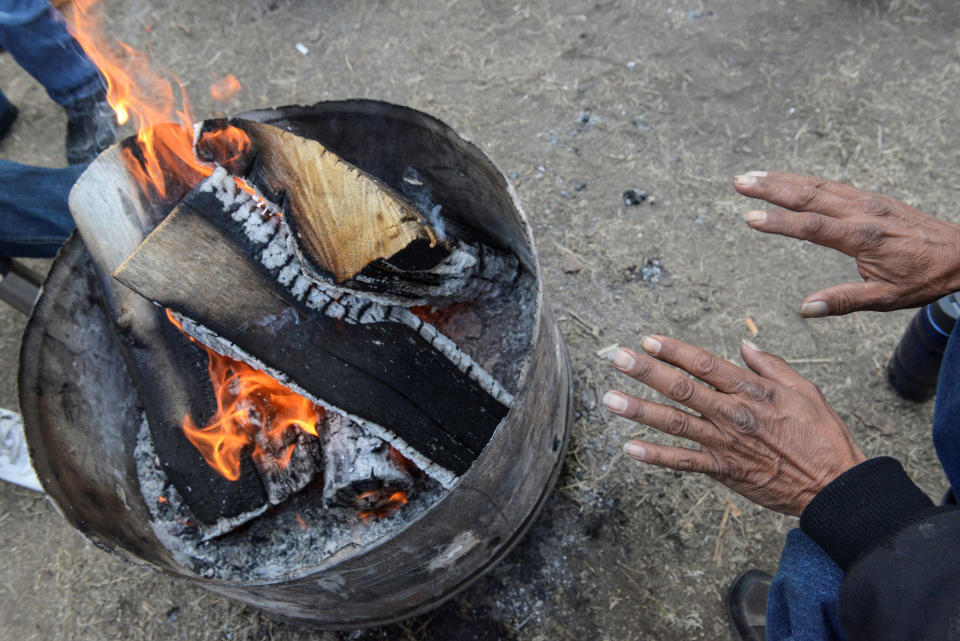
379	365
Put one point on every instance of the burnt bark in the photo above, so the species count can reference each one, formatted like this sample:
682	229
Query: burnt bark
385	374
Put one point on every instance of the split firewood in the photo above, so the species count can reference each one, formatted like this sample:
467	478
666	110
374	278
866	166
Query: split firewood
358	466
351	229
113	216
380	365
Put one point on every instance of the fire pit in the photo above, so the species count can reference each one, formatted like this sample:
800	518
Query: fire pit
378	517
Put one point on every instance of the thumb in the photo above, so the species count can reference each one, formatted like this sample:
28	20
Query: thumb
845	298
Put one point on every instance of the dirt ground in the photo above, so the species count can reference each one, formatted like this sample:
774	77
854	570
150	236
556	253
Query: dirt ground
576	101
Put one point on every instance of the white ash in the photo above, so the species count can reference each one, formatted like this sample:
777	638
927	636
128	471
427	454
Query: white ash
289	540
355	461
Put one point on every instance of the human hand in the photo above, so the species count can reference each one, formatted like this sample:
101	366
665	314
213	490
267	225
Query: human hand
768	435
906	257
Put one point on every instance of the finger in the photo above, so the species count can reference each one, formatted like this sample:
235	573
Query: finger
668	381
848	297
675	458
722	374
809	193
841	189
805	225
668	420
767	365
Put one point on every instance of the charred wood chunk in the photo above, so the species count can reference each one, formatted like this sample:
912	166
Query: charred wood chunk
360	470
172	377
384	374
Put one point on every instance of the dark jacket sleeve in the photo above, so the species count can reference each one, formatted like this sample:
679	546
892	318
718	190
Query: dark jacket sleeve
900	553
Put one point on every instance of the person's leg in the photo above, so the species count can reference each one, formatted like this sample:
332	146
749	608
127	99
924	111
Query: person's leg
946	413
35	34
34	219
803	597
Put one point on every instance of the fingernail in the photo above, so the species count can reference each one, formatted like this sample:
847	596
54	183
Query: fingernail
751	345
634	450
623	359
745	180
615	402
816	309
758	174
650	345
756	216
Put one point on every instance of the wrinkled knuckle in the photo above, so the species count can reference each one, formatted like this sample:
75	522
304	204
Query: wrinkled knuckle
745	421
758	393
873	206
642	369
684	462
703	365
809	194
637	411
721	409
813	226
679	424
682	389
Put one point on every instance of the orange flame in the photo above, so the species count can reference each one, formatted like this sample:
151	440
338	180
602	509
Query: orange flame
137	91
383	503
254	411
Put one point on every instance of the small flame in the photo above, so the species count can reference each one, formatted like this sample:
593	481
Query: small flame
137	91
225	89
381	503
254	411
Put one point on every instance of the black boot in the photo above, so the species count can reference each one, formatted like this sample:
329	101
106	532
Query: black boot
747	605
91	128
7	118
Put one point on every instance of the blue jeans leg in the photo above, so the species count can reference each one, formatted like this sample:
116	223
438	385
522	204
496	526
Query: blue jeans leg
34	219
946	413
802	603
35	35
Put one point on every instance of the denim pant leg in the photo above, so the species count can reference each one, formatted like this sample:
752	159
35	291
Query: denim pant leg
803	598
36	36
946	413
34	219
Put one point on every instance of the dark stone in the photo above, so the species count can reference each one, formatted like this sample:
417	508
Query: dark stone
634	196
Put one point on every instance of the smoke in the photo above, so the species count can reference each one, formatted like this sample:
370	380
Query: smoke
418	192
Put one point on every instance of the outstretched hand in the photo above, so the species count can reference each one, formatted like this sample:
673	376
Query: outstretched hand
768	434
906	257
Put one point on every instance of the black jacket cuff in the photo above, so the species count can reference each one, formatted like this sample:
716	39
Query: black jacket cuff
864	506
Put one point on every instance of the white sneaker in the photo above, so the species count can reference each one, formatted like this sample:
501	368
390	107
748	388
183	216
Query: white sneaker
14	460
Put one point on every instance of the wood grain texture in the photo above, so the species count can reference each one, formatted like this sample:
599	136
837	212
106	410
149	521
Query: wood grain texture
343	218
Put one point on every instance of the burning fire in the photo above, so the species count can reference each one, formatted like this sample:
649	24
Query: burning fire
381	503
253	411
139	92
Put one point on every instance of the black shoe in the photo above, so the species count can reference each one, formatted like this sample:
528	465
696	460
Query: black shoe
7	118
747	605
91	128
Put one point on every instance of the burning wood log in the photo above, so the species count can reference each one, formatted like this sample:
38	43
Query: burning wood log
359	468
382	366
352	230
